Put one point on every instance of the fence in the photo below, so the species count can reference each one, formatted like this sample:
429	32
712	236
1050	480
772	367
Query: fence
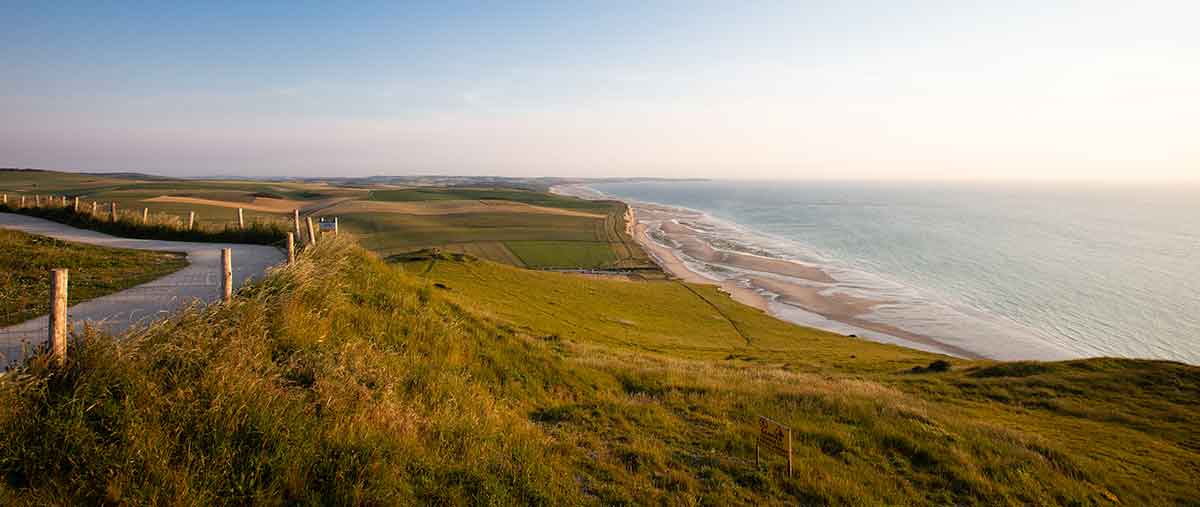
56	326
145	224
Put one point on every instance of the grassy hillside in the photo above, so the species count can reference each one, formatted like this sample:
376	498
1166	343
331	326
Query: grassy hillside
466	382
26	261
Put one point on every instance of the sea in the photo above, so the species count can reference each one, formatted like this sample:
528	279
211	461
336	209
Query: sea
1010	271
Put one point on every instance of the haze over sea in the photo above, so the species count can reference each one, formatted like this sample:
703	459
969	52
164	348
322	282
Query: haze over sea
1008	271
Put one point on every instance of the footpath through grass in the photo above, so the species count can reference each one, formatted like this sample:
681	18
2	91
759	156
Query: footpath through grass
371	384
26	261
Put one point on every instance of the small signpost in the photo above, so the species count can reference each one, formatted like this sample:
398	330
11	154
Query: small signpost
327	225
776	437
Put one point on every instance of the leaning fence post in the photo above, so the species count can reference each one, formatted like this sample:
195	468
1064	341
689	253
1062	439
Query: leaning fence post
291	245
22	201
93	208
296	221
312	234
58	315
335	226
5	198
77	204
191	219
145	215
227	274
241	220
112	211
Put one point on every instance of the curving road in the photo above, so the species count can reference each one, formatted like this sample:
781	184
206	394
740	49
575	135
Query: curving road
199	281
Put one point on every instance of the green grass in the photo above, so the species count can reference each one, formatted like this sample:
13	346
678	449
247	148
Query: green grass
536	240
395	233
665	317
25	262
453	381
506	194
159	226
563	254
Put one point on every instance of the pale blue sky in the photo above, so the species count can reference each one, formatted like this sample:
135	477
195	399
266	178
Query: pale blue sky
830	90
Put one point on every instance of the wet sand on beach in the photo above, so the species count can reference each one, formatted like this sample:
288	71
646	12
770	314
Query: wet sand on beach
810	291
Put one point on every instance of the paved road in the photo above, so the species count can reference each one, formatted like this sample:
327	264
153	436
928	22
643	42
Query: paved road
200	280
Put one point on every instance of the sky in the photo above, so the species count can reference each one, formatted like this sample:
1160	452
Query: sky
1013	90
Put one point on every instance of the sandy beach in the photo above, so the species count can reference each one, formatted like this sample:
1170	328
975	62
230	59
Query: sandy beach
673	238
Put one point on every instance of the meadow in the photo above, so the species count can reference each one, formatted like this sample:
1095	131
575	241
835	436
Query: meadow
450	380
26	261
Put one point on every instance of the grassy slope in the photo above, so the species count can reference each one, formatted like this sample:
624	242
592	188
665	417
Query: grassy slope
1108	424
376	386
25	262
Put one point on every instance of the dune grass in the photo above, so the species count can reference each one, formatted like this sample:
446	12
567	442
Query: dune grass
375	385
26	260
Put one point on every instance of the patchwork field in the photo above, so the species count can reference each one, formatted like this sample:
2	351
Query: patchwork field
515	226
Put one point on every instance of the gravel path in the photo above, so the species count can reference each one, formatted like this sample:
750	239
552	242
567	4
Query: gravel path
200	280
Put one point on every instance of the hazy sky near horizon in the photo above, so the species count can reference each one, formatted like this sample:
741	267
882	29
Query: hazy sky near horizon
1096	89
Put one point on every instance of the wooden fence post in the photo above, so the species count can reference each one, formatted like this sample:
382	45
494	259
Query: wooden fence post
227	274
241	220
64	201
5	198
77	204
291	248
58	316
789	451
112	209
93	208
296	220
312	235
191	219
37	200
22	201
145	215
335	226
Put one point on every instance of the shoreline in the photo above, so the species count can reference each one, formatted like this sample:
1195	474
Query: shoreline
779	287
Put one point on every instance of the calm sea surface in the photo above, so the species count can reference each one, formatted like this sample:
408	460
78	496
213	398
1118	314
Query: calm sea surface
1085	269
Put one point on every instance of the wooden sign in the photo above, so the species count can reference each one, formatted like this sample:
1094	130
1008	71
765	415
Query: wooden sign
776	437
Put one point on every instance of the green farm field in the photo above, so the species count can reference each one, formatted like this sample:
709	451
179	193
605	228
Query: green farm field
544	231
